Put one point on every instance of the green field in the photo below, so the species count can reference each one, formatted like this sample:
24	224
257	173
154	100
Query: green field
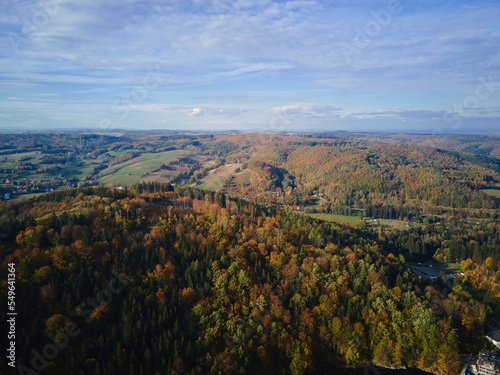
493	192
132	170
216	178
121	152
148	162
120	179
214	184
35	154
11	161
336	218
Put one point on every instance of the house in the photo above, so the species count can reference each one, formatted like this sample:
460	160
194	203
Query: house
488	363
6	196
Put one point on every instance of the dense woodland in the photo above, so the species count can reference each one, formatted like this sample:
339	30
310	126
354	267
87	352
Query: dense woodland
223	272
170	280
361	174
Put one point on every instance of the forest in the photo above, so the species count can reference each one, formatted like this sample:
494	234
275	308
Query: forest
222	253
163	279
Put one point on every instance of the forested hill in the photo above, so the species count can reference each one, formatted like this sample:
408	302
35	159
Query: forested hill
189	282
365	174
383	176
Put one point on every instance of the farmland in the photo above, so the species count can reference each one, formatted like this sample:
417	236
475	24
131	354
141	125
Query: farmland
493	192
131	171
216	178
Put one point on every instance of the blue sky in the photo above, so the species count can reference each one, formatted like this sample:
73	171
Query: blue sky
394	65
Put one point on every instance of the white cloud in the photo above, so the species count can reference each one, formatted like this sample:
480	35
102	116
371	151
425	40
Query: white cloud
306	110
196	112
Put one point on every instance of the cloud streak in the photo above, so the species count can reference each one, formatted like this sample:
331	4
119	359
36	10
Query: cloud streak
423	60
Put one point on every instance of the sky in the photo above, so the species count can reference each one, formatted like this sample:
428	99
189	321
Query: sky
425	66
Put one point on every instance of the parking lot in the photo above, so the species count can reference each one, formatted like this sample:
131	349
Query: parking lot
433	271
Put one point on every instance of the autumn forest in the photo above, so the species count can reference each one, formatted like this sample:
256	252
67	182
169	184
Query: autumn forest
236	253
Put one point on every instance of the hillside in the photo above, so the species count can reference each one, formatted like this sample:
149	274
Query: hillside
154	279
380	176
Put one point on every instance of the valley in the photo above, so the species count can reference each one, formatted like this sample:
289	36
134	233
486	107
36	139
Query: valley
327	252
